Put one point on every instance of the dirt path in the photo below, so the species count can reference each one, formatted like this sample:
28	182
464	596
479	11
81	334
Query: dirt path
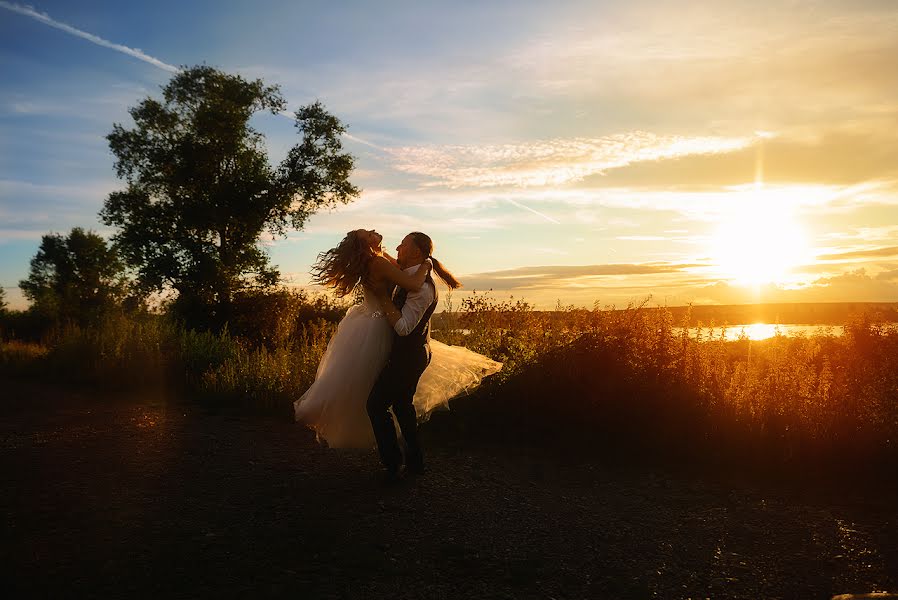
136	499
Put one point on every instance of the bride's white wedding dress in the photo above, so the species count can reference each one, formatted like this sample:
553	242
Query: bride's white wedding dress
335	405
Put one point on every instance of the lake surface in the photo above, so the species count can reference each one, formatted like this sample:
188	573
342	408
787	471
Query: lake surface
758	331
763	331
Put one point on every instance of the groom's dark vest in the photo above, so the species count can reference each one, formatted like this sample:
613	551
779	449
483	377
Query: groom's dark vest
418	336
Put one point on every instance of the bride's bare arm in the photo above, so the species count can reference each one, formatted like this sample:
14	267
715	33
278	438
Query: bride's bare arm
383	269
392	260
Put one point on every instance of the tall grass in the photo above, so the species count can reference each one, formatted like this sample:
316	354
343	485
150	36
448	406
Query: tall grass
118	351
620	376
634	375
265	366
20	357
267	379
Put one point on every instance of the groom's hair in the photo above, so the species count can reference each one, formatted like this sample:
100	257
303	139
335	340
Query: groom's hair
425	245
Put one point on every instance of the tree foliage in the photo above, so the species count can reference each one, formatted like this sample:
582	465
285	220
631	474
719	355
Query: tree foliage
75	278
201	191
2	301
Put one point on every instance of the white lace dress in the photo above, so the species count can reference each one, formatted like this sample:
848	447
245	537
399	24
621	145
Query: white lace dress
335	404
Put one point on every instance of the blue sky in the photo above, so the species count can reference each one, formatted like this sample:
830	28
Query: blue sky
572	151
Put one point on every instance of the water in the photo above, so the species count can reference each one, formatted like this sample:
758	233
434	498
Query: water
758	331
763	331
755	331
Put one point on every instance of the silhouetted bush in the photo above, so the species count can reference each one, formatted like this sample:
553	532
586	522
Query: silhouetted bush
24	325
276	318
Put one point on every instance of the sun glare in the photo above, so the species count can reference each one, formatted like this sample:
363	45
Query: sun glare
759	331
758	240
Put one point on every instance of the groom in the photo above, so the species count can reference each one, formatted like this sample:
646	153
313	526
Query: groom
409	314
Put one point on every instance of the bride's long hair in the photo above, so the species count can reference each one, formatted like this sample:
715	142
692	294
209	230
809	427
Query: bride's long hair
425	245
345	266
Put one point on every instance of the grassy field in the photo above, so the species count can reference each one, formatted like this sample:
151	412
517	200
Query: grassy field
638	375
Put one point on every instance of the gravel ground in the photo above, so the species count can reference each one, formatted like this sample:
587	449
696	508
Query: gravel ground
111	497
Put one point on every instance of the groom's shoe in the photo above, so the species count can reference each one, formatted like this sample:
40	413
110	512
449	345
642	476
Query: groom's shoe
416	468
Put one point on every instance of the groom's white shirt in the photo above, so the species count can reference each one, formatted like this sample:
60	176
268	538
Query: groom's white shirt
415	306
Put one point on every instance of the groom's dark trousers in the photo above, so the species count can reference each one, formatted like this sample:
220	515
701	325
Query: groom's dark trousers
395	387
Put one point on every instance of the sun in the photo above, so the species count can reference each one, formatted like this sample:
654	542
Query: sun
758	240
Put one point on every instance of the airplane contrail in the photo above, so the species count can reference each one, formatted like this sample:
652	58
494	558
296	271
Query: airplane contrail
366	142
536	212
291	115
44	18
134	52
47	20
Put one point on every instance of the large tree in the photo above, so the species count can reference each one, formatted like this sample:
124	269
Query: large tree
201	191
75	278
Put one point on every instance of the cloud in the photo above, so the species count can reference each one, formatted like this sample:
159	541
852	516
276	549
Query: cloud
865	152
397	98
845	287
21	193
871	253
560	276
545	163
29	210
594	69
47	20
100	104
632	208
8	235
724	63
891	275
590	69
851	286
856	286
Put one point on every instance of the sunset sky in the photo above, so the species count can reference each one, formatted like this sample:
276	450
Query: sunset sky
706	152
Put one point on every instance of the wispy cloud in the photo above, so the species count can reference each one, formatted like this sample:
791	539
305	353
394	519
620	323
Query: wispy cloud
557	276
29	210
90	103
44	18
552	162
15	235
735	62
888	275
23	192
869	253
840	154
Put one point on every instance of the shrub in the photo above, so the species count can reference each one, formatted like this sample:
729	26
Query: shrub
276	318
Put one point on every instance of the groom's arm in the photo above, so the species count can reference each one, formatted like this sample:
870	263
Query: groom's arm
405	321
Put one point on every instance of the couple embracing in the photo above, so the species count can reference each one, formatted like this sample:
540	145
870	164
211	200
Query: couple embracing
381	357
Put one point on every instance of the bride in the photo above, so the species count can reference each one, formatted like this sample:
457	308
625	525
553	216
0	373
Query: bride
335	405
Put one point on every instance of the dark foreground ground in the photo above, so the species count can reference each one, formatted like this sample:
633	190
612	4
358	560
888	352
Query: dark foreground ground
104	497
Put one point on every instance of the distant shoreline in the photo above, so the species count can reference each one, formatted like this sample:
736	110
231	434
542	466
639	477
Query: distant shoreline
798	313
